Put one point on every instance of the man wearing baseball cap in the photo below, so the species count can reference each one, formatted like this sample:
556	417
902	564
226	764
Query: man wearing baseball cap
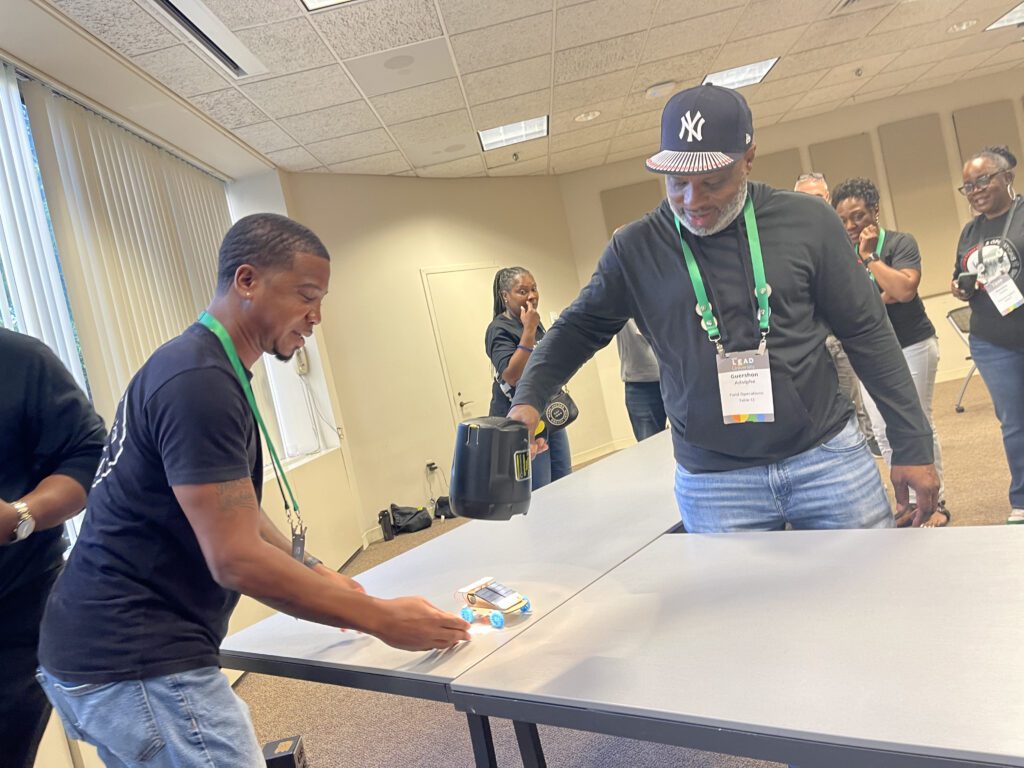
736	285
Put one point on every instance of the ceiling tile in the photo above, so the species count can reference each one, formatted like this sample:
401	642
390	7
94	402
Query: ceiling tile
229	108
582	92
517	153
684	68
909	14
763	109
405	173
960	65
860	70
984	41
302	91
760	18
438	138
829	93
181	70
641	122
294	159
503	43
124	26
508	80
350	147
318	169
598	58
562	122
577	159
994	69
421	101
524	168
887	80
377	165
839	29
644	141
573	139
600	20
775	89
670	11
923	55
265	137
765	122
454	169
245	13
860	98
690	35
403	68
632	155
356	29
818	109
924	84
752	49
464	15
286	46
321	124
506	111
820	59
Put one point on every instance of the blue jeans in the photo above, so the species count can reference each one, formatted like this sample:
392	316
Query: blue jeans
835	485
187	720
1003	372
554	464
645	407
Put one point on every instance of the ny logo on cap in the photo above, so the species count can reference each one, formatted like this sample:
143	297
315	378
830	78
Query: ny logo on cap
692	126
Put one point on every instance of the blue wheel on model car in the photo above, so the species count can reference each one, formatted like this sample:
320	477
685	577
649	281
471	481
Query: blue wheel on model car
497	619
526	606
467	614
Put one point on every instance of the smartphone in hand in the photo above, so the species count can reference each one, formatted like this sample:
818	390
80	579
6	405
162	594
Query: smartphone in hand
967	282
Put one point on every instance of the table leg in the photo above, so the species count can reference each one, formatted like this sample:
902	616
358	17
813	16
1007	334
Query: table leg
529	745
483	744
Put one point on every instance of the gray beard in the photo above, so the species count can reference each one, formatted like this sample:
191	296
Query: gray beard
728	215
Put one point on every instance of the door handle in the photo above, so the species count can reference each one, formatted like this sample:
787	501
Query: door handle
464	403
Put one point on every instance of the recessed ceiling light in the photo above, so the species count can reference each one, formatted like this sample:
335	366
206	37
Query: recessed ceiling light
737	77
513	133
962	26
1012	17
317	5
586	117
658	90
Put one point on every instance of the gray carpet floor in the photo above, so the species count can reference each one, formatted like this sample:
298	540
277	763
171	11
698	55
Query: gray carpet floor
345	728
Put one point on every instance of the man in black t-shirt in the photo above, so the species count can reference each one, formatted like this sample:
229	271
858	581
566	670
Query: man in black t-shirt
175	531
52	439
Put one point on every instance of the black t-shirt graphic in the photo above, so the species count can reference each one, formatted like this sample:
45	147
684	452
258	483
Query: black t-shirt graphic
136	599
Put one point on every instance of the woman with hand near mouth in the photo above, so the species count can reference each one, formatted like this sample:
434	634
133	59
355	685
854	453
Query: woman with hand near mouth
893	263
990	247
510	339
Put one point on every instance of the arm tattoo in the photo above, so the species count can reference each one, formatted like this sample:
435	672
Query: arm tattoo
236	495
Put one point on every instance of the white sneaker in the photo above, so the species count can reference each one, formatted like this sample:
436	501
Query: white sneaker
1016	517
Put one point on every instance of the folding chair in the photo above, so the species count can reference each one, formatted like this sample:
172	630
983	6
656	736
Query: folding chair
960	319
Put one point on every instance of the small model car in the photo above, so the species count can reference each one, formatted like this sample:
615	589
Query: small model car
492	599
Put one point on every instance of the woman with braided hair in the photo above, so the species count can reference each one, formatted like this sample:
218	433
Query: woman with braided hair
510	339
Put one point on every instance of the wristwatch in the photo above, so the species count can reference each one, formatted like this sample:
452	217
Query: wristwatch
26	523
868	259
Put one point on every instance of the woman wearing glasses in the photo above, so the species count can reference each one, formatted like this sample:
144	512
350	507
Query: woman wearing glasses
988	273
893	263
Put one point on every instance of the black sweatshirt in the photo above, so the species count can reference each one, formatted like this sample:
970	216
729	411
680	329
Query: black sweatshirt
817	285
49	428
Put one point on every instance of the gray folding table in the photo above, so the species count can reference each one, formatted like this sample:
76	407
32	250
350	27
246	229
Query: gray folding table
822	648
576	531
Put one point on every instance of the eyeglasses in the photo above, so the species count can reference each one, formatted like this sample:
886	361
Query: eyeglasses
809	176
979	183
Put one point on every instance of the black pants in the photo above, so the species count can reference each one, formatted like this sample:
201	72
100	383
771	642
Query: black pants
24	709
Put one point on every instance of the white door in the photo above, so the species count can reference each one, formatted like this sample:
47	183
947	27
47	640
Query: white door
460	304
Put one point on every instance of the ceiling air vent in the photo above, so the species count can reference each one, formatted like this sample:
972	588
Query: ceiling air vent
208	32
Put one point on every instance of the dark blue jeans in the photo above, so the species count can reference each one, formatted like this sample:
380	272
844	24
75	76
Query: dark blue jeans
554	463
1003	371
646	408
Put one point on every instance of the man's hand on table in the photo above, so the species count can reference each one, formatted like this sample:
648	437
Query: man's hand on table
414	624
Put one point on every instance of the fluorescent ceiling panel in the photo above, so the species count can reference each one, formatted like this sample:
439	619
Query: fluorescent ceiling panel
514	133
737	77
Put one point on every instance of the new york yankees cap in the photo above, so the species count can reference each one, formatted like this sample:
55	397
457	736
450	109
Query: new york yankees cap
703	129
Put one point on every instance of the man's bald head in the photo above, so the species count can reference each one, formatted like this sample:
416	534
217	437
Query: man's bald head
813	184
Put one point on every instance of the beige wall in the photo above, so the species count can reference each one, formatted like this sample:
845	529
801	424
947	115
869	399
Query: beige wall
377	330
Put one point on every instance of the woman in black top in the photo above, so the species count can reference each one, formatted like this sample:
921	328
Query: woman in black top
991	246
513	333
893	263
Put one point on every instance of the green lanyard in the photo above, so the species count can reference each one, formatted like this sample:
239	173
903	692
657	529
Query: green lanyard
761	288
878	253
221	333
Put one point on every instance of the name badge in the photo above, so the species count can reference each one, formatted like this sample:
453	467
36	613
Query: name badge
745	386
1004	293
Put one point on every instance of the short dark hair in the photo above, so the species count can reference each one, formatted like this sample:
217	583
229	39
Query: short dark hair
264	240
504	279
865	189
1000	154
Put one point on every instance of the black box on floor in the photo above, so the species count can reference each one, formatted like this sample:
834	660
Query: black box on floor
285	753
